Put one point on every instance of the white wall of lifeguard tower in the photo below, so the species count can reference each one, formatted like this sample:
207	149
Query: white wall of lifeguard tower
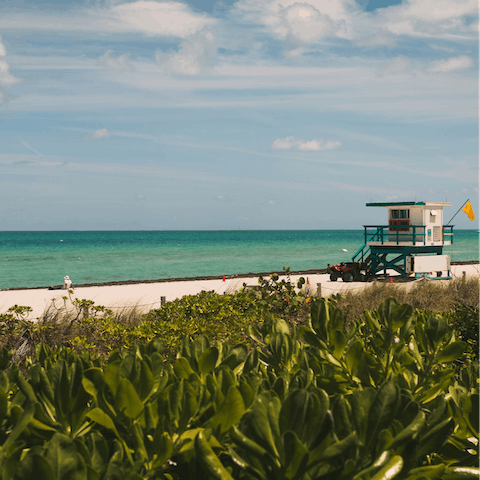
429	214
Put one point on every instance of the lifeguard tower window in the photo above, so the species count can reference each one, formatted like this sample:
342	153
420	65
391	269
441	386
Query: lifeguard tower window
400	214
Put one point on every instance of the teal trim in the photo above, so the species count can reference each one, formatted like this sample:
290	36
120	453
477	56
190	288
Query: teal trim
374	259
380	257
364	251
383	233
415	234
394	204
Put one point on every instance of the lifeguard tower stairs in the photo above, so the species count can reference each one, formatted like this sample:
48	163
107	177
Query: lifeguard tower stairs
411	243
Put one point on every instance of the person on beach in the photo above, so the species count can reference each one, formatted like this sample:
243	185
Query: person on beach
67	283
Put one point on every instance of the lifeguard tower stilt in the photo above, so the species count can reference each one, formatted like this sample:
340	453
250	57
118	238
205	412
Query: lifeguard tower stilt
411	243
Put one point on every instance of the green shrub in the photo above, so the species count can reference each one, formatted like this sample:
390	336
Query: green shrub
464	320
379	401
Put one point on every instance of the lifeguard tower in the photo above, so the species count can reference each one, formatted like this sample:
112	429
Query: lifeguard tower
411	242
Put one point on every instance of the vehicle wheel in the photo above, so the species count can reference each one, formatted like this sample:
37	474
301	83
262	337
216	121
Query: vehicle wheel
347	277
333	277
363	277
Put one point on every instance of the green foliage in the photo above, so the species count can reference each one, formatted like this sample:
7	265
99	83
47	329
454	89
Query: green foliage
281	296
380	400
464	320
13	321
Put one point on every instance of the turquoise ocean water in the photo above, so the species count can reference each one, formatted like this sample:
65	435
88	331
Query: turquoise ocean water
33	259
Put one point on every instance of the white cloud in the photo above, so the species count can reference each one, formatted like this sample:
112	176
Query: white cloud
380	38
291	143
309	23
97	134
450	64
300	21
195	56
117	63
6	78
160	18
428	18
397	65
304	23
154	18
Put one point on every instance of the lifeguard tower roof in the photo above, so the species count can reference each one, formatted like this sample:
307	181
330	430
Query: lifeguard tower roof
407	204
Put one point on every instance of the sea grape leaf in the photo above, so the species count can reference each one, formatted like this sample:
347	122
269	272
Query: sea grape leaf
210	462
371	321
247	392
451	352
336	322
435	329
146	381
304	412
296	456
320	318
262	422
5	356
182	368
435	437
391	469
99	416
230	412
281	346
236	356
335	449
353	356
199	345
251	362
383	409
473	414
411	431
280	326
386	309
360	402
98	452
310	337
34	466
20	426
127	400
3	404
111	375
401	316
207	360
61	389
338	341
163	446
114	468
341	414
63	457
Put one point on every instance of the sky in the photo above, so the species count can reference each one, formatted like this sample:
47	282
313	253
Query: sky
235	114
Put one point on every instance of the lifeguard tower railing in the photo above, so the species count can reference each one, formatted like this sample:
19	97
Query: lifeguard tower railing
397	235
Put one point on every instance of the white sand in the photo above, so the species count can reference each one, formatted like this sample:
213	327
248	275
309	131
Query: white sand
147	295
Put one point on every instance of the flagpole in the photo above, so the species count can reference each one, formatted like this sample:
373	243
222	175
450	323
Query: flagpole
458	211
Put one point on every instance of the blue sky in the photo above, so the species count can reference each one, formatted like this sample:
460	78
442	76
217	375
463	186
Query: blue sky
246	114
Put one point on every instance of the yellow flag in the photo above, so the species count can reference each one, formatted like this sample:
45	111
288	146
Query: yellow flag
469	211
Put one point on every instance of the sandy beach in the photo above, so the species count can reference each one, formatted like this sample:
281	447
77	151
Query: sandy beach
147	296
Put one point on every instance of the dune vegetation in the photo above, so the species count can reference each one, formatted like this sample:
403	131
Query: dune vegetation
264	383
